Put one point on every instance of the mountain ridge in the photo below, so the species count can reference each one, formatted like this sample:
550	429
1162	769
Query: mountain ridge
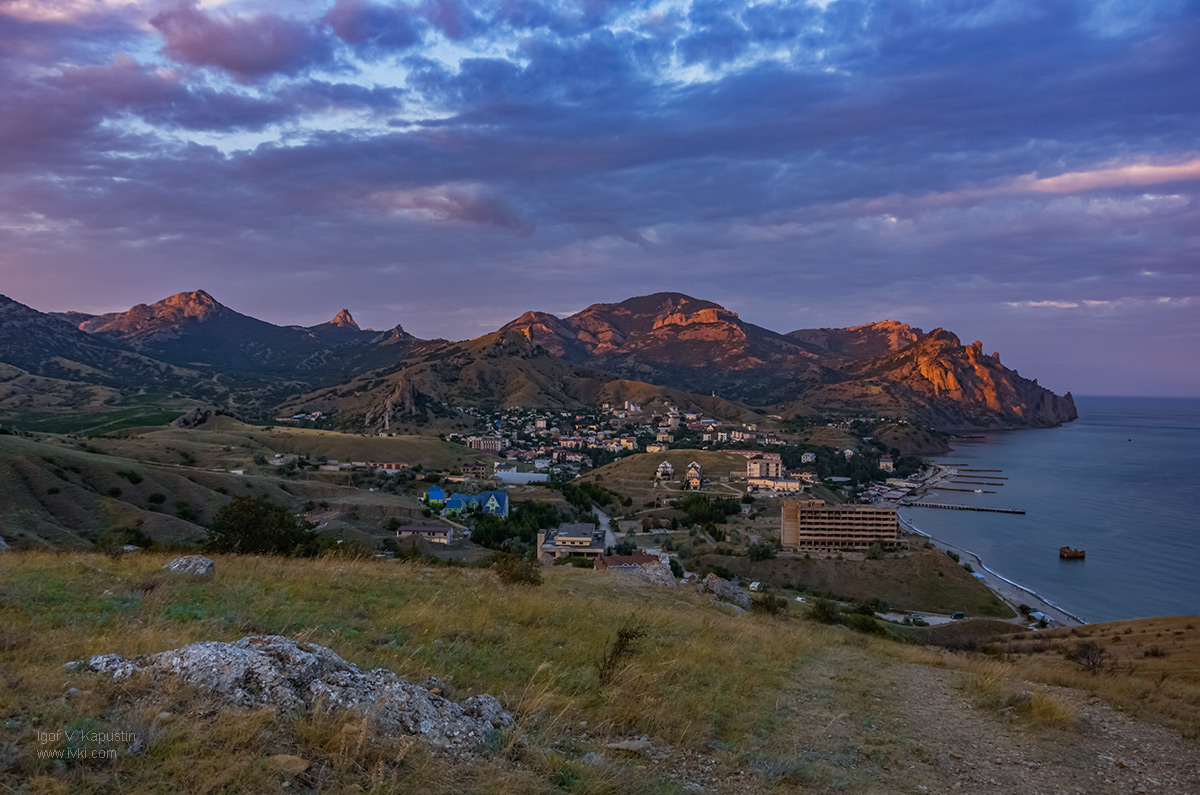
666	341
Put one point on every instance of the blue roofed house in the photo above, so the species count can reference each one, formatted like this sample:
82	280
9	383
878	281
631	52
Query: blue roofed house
434	496
493	502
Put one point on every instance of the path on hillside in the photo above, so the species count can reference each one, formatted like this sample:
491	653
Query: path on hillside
852	722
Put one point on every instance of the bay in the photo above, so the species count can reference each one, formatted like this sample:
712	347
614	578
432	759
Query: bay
1121	482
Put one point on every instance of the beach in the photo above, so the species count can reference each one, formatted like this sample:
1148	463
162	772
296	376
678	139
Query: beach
1006	589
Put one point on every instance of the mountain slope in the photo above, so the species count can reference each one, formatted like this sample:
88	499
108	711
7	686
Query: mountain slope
42	345
947	385
859	342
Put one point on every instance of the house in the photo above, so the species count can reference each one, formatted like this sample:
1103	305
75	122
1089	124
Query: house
437	534
664	436
770	465
475	469
654	447
434	497
885	463
490	502
808	458
848	453
695	476
664	471
570	540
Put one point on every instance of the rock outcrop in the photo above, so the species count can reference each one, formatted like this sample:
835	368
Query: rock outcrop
196	567
725	591
191	419
277	672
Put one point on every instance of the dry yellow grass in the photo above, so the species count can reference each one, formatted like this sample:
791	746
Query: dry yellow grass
701	676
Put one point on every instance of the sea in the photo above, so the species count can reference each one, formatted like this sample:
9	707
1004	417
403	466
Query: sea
1122	482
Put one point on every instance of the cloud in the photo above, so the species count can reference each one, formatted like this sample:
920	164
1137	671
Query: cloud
367	26
467	203
1136	174
247	47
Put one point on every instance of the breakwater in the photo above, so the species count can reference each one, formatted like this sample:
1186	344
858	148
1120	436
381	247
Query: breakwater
959	507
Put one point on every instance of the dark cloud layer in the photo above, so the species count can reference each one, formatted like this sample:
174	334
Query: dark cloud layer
1027	174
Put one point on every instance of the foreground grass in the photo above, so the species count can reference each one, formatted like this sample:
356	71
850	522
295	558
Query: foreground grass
702	676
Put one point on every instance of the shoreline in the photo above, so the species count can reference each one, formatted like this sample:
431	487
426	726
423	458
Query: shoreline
1011	592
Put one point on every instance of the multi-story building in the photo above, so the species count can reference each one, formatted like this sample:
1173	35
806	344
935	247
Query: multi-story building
769	466
814	526
489	444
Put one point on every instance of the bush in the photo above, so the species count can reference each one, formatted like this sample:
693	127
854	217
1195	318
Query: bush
625	547
825	611
618	651
1090	656
764	551
156	498
255	525
676	569
865	624
952	555
131	476
513	569
769	604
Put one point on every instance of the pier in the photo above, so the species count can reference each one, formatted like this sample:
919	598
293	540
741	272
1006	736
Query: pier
968	491
976	483
958	507
981	470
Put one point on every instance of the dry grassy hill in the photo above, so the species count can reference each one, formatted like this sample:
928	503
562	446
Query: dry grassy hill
925	581
224	441
53	492
633	476
709	700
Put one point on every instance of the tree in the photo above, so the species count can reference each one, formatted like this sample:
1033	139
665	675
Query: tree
761	551
255	525
625	547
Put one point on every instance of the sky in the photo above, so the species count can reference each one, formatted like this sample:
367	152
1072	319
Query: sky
1026	174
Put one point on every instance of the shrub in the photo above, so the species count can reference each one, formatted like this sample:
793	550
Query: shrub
676	569
625	547
825	611
1090	656
255	525
514	569
619	650
131	476
769	604
865	624
764	551
156	498
114	492
952	555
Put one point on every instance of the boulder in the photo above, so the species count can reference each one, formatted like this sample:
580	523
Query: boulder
270	671
197	567
725	591
191	419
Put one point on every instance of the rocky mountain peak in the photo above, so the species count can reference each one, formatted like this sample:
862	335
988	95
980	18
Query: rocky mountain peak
344	319
196	303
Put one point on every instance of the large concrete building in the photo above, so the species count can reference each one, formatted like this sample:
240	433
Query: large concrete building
814	526
769	466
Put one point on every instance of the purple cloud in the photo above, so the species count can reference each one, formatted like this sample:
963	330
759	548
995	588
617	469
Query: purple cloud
365	25
248	48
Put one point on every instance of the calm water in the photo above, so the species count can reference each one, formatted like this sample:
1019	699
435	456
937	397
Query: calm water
1122	482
